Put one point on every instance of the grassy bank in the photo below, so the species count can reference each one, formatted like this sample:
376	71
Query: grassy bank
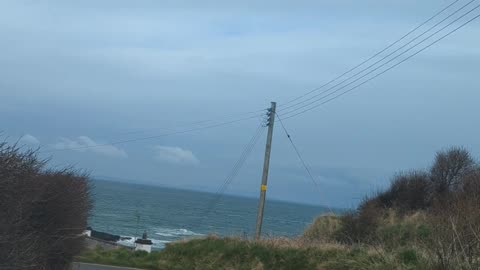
229	253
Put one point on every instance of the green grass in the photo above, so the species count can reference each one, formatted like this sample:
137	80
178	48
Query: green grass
216	253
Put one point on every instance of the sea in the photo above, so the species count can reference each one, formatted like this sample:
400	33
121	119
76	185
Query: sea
168	214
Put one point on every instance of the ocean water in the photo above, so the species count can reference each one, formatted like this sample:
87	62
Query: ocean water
169	214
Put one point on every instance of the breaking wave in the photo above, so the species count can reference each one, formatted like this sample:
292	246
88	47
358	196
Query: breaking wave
131	242
177	233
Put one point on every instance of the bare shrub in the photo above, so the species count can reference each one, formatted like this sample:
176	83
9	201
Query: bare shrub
360	226
456	226
16	172
43	213
449	168
407	192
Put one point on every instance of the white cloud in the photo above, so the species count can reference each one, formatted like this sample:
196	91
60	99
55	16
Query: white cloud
86	144
29	140
175	155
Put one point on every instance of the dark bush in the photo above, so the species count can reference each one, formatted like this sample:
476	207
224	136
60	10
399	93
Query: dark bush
449	168
455	220
42	213
471	184
359	226
407	192
351	231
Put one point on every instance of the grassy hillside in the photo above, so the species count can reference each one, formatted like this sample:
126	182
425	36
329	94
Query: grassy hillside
228	253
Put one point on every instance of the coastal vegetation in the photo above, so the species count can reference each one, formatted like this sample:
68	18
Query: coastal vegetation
425	219
236	253
43	212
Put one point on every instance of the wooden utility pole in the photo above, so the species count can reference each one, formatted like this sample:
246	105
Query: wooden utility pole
266	165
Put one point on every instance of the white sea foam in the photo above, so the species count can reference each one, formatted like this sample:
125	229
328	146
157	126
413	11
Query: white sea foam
131	242
127	242
155	241
166	232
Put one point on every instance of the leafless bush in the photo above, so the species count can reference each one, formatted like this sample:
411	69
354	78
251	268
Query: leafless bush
42	213
359	226
455	223
407	192
449	169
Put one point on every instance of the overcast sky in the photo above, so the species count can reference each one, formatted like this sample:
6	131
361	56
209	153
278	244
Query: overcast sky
82	73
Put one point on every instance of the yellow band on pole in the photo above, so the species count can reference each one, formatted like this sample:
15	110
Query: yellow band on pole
264	187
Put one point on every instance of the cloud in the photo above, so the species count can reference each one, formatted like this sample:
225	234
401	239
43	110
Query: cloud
175	155
86	144
29	140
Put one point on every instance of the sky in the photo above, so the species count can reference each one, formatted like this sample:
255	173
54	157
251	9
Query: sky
77	74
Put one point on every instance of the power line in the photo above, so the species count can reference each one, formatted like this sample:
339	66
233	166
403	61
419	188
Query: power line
195	123
364	62
375	55
304	164
383	72
153	137
314	90
233	172
253	112
246	152
382	59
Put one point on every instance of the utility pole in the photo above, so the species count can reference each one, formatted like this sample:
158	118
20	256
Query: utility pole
266	165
